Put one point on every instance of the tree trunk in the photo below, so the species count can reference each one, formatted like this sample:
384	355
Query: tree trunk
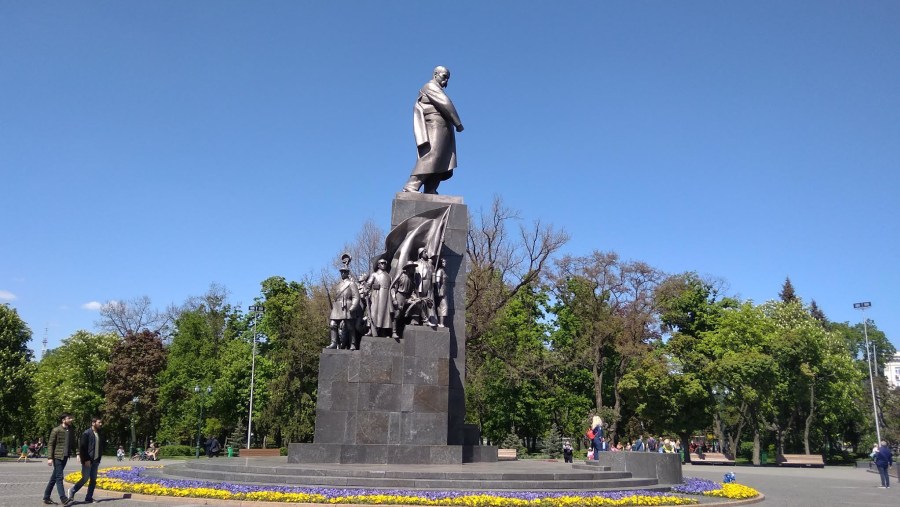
779	441
735	441
614	424
598	382
685	446
756	445
810	418
717	429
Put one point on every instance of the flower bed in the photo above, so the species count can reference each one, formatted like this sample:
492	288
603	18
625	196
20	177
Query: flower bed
135	480
733	491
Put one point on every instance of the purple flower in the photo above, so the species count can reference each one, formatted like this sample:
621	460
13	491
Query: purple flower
695	486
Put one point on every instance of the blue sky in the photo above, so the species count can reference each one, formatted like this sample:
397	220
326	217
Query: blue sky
152	148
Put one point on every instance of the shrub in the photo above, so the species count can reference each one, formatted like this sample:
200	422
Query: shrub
746	451
168	451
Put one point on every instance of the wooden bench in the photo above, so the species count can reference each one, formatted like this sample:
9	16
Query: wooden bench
800	460
506	455
259	453
711	458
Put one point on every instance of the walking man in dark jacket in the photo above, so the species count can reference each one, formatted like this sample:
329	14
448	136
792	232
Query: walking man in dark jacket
883	460
90	450
59	447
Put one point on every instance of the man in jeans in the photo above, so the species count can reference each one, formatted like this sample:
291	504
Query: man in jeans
59	447
884	460
90	450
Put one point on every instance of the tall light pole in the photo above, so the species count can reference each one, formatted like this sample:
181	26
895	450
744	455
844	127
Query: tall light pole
134	402
862	307
200	420
257	311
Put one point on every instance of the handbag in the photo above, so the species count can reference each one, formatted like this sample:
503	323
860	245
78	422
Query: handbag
589	434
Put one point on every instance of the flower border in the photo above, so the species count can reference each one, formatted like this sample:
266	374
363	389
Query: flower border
129	479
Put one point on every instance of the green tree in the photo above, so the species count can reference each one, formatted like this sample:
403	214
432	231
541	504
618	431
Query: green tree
817	313
668	400
787	294
71	378
199	351
16	370
862	432
607	321
743	373
508	384
296	327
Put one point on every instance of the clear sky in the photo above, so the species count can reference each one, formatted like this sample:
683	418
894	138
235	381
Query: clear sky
152	148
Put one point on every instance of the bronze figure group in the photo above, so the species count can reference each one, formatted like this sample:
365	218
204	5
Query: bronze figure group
372	305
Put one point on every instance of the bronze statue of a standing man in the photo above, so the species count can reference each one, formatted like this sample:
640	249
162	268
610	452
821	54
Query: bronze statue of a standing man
434	119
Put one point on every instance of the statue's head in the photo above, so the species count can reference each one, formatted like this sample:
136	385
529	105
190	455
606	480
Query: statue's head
382	264
345	272
442	75
423	254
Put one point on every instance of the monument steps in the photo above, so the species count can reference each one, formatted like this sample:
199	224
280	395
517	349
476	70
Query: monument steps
419	472
550	476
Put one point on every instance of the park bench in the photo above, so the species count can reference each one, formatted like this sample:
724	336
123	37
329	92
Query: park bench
259	453
711	458
506	455
800	460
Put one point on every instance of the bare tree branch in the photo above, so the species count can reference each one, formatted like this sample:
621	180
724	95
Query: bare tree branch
368	244
500	264
133	316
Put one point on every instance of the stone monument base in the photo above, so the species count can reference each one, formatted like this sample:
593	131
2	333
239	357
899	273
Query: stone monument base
394	401
391	454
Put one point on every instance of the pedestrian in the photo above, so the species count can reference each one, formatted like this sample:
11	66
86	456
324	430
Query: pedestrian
567	451
212	447
638	444
24	453
61	445
883	460
597	441
90	450
120	453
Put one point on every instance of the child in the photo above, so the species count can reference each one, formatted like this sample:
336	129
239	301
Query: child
120	453
24	454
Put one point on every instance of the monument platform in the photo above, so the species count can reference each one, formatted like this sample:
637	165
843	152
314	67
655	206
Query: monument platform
522	475
391	402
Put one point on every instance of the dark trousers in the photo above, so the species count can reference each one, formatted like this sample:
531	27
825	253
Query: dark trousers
59	466
885	476
88	471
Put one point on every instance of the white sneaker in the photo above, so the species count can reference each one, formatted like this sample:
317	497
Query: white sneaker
70	494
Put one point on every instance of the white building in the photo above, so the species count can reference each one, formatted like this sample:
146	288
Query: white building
892	371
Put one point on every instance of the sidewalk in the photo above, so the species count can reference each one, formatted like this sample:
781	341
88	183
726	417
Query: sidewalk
806	487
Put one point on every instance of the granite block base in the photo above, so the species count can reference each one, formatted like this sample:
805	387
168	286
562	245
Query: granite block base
391	454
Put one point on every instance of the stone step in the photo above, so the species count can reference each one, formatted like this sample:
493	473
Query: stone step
567	473
609	480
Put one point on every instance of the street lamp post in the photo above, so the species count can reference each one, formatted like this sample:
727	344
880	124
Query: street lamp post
200	421
257	311
134	402
862	307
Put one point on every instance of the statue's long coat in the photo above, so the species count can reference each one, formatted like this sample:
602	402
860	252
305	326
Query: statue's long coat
434	122
346	302
379	283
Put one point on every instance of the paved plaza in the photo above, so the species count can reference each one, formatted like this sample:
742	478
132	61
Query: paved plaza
23	484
